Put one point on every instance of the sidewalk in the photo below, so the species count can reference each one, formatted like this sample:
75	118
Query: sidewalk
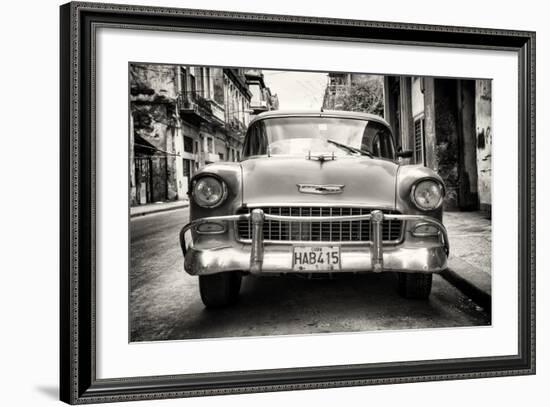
470	255
147	209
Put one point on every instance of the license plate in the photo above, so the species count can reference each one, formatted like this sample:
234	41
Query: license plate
316	258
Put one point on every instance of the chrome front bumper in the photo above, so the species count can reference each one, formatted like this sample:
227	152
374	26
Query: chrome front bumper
429	256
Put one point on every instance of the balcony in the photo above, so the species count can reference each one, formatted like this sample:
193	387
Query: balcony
259	106
218	113
194	108
253	72
236	128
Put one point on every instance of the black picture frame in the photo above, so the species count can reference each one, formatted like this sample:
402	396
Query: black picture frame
78	382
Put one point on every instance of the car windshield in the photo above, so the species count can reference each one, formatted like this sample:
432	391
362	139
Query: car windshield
302	136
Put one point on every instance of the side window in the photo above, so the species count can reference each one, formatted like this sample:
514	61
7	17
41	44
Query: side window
248	140
256	140
377	139
376	147
383	146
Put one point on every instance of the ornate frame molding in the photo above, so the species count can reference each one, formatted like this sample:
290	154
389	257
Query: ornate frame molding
77	173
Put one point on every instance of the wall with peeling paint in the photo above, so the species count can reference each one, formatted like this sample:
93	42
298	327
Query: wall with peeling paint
447	143
468	184
429	124
153	97
484	142
153	83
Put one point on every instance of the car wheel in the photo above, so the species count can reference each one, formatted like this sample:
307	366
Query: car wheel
221	289
414	285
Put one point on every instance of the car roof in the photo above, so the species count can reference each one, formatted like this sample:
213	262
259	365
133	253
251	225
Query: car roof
319	113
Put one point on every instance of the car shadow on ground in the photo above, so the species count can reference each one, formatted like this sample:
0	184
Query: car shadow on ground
295	305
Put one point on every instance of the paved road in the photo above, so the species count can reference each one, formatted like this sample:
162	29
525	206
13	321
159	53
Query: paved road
165	302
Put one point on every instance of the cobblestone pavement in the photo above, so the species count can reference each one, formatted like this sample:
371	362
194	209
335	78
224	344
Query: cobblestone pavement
165	302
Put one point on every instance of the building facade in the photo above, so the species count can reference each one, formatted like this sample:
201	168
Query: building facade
446	123
262	99
182	118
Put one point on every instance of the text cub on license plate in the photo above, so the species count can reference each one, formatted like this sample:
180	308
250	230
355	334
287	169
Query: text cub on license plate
316	258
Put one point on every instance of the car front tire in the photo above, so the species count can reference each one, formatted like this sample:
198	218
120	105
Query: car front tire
221	289
414	285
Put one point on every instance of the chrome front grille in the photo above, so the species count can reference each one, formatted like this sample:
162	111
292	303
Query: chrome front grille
347	231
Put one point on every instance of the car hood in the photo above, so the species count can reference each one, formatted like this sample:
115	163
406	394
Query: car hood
274	181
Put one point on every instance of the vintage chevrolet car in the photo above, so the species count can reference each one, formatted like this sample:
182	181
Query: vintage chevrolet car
315	193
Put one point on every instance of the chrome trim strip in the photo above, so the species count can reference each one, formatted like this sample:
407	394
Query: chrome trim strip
316	205
319	242
309	219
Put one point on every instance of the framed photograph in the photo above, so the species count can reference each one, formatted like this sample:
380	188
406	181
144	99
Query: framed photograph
255	203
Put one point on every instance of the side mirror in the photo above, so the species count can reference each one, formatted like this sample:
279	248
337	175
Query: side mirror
405	154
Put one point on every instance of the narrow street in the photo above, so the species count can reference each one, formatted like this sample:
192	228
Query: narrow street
165	303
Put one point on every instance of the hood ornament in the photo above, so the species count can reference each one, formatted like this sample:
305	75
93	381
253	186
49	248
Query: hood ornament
320	189
321	157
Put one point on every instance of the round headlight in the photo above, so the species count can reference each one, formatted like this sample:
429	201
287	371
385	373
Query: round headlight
209	192
427	194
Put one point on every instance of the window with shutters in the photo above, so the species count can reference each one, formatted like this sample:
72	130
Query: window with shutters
419	142
187	144
186	168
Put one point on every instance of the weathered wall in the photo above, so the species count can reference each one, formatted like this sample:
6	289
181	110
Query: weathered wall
171	166
391	109
407	125
153	96
429	123
457	132
468	194
192	132
446	130
153	83
178	144
220	147
483	101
